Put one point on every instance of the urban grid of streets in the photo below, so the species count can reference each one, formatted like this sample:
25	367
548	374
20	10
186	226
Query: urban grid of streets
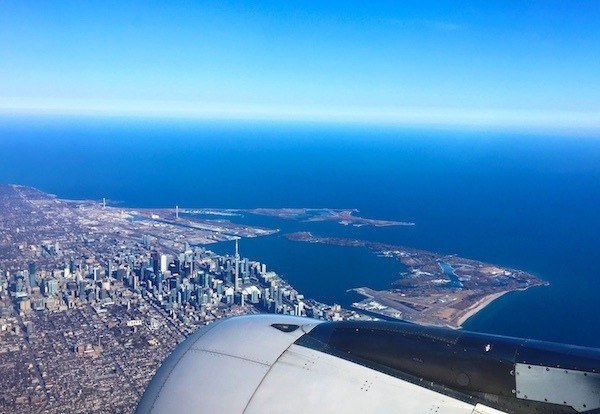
94	298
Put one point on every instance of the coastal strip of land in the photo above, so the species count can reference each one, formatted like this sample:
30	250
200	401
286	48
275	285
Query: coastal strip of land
480	305
346	217
436	289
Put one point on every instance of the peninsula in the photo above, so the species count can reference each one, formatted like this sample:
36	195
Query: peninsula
436	289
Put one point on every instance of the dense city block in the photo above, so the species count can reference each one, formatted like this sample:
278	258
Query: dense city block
94	298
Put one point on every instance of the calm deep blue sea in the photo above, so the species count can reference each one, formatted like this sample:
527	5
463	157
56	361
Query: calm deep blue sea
524	201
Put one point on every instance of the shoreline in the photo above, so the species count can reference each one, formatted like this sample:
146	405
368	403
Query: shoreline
484	302
481	305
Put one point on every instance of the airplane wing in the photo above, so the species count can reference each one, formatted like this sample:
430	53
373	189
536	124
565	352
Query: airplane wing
279	363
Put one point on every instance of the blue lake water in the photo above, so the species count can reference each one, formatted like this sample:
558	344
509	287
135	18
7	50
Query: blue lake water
449	271
529	202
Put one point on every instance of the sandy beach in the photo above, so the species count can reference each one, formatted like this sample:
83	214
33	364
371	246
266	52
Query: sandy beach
479	305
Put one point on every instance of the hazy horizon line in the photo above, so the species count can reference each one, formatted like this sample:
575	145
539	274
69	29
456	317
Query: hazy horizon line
507	120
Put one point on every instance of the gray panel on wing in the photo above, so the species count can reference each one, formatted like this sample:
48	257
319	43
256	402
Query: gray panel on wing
577	389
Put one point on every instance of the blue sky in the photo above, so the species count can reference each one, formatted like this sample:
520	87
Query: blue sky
497	64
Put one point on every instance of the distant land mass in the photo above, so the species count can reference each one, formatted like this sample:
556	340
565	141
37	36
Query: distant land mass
437	289
341	216
31	218
345	217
